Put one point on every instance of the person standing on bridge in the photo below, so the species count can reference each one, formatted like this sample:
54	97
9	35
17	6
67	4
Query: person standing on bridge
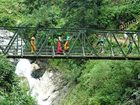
130	48
125	37
101	43
59	48
33	47
66	45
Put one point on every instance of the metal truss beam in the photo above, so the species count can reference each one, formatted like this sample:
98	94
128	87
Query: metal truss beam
83	43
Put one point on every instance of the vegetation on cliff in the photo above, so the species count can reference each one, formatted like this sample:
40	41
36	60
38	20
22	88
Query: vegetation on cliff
10	91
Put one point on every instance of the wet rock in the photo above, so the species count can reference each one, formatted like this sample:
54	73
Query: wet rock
49	89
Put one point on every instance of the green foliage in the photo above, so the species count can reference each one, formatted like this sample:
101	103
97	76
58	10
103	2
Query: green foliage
9	12
18	96
70	69
40	13
104	83
98	14
10	91
80	13
7	78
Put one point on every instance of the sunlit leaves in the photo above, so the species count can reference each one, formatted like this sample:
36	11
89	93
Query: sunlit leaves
9	12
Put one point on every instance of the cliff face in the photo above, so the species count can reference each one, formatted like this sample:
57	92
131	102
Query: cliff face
48	88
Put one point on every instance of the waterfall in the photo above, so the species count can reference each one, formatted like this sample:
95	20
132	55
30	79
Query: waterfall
47	90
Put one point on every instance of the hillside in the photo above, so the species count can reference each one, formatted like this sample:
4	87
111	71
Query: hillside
92	82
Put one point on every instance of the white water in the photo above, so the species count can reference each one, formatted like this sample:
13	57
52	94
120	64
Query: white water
43	89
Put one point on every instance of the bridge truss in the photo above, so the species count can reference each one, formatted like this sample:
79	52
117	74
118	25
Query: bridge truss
83	43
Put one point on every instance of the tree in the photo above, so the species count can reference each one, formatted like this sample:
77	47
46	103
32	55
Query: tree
9	12
80	13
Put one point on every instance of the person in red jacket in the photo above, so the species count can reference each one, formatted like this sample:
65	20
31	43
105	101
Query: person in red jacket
59	47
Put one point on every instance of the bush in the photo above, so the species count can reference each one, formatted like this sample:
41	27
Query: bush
10	91
7	78
105	83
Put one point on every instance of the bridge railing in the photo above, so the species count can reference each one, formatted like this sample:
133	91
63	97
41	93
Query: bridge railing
82	42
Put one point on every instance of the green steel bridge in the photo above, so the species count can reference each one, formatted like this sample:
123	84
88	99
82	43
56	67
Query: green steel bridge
83	43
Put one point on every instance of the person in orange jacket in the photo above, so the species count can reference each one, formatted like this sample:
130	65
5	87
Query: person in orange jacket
33	47
66	45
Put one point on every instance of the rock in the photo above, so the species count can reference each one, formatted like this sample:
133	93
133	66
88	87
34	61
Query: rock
49	88
5	37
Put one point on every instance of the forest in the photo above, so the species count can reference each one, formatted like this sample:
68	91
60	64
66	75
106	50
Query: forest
93	82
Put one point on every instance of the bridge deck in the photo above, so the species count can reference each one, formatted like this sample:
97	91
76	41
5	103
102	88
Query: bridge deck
74	57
